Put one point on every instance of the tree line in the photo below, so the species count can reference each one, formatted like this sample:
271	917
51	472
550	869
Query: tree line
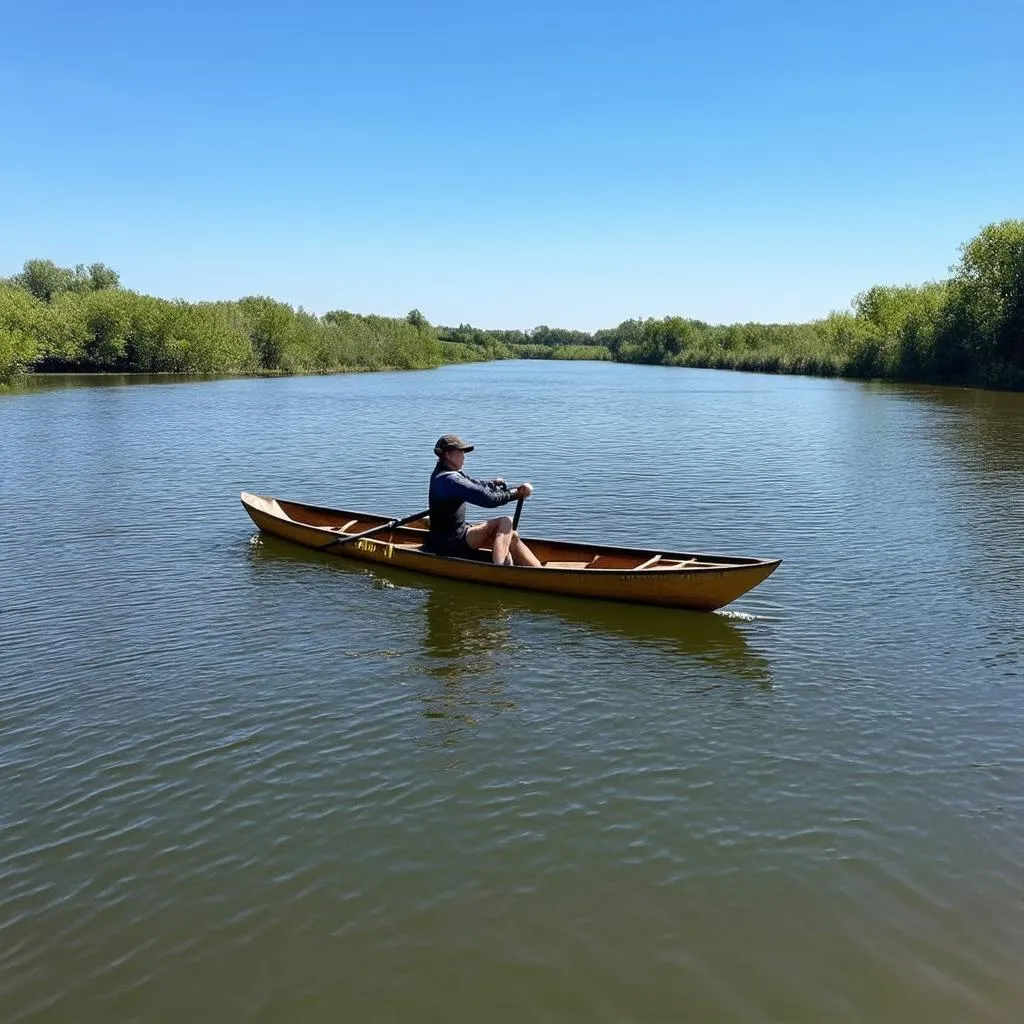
968	329
57	319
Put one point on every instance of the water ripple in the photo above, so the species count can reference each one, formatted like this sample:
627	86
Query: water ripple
245	782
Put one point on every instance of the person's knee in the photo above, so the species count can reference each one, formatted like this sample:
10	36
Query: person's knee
515	535
504	525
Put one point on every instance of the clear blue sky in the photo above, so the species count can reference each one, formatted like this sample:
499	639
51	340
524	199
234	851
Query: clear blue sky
512	164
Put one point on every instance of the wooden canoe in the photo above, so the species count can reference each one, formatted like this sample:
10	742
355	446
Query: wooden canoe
638	576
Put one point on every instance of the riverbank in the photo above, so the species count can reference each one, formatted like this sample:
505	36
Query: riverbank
966	330
85	328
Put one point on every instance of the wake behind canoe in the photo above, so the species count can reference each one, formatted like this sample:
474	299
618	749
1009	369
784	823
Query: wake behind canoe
639	576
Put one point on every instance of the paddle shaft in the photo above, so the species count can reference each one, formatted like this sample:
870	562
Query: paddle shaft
395	523
392	525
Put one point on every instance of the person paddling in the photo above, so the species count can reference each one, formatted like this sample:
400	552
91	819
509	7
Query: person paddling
451	489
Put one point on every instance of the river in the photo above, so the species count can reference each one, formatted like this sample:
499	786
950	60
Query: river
246	782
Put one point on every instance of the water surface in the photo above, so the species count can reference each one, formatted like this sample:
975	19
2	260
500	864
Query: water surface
248	782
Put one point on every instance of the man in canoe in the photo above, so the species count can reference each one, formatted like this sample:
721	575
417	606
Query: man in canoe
451	489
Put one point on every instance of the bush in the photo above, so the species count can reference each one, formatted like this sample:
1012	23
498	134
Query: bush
969	329
17	351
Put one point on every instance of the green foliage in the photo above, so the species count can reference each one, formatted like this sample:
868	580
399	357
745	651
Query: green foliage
900	326
986	307
969	329
483	344
553	337
101	277
271	327
378	342
45	280
457	352
213	338
17	351
466	343
64	332
580	352
19	311
108	317
53	319
529	351
20	317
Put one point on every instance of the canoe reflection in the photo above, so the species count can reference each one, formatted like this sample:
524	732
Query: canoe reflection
471	653
483	625
468	629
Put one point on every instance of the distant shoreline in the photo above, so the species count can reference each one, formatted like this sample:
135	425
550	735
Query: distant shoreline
141	379
968	330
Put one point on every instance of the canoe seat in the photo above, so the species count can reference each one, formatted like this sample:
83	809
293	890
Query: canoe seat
565	565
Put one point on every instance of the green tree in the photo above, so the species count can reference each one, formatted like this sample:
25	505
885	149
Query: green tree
108	317
44	279
101	277
988	287
17	351
904	322
271	329
63	332
213	337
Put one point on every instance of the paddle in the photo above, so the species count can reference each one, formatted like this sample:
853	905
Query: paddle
392	525
519	512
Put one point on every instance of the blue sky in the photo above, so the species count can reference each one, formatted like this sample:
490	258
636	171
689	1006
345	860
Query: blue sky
573	164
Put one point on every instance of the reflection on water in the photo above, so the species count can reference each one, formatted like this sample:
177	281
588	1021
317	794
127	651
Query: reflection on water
974	473
461	634
976	430
34	382
468	628
288	786
467	647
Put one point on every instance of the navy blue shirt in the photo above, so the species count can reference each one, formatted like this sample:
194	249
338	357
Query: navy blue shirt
450	490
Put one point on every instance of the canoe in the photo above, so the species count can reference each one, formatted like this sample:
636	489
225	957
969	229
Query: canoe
638	576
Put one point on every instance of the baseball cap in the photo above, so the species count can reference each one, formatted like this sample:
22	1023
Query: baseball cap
449	443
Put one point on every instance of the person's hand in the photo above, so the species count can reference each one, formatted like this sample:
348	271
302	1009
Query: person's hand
498	480
524	490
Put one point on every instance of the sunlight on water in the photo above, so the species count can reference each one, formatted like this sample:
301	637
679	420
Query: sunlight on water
245	781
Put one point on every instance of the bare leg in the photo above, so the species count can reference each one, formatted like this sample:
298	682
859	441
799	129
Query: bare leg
502	540
497	533
506	544
521	554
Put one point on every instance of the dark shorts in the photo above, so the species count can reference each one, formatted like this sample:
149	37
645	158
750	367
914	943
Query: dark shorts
455	546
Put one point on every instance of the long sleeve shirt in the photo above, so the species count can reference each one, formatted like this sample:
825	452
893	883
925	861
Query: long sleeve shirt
450	490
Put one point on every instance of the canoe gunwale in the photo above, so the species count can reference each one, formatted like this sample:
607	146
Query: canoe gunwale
654	570
719	563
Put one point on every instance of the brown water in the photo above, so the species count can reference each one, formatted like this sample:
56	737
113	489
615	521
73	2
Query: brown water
245	782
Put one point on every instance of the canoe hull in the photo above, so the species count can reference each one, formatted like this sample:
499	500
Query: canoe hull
703	588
